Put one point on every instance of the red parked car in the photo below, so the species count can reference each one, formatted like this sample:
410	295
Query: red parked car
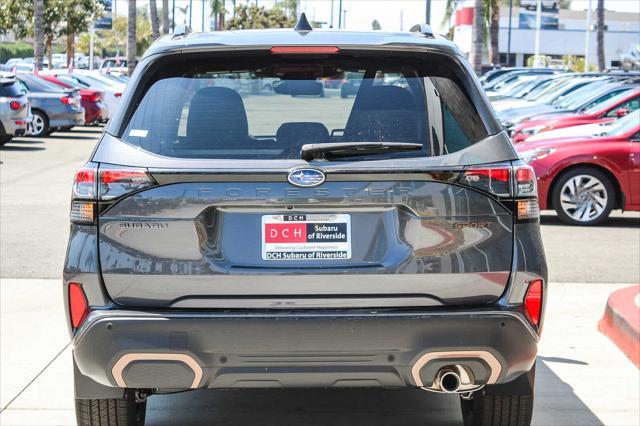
95	111
607	111
584	178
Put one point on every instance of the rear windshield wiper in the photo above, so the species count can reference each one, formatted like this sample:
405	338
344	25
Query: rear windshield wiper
312	151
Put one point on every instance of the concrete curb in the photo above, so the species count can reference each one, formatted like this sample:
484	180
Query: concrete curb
621	321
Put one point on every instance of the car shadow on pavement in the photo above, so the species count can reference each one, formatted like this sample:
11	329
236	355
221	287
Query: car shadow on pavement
71	135
612	222
11	147
556	404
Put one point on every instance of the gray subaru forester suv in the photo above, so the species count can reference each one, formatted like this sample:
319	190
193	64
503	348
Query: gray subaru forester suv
224	235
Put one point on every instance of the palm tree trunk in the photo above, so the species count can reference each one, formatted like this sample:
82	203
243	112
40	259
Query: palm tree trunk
494	31
131	36
70	49
155	23
600	35
165	16
38	42
49	52
477	36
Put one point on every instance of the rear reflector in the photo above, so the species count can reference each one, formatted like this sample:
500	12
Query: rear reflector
291	50
533	302
78	306
82	212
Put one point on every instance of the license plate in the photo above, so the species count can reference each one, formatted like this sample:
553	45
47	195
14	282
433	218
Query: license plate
306	237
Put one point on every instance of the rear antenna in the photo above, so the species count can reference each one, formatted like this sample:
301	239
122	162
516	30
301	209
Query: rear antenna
303	24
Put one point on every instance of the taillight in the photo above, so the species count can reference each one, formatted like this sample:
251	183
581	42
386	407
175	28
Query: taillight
515	184
78	305
95	97
115	182
15	105
68	100
533	302
117	95
104	184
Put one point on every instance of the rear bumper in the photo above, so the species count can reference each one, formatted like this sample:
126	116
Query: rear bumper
181	350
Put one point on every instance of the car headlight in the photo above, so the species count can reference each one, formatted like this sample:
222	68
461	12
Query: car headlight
535	154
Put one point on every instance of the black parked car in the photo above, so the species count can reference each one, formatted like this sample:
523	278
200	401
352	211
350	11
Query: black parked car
292	240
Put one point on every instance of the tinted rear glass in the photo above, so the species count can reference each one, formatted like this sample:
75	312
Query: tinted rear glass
10	90
268	106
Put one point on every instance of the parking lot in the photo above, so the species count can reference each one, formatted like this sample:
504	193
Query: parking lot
582	378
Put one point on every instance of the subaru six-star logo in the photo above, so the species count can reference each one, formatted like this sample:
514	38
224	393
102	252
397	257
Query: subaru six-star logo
306	177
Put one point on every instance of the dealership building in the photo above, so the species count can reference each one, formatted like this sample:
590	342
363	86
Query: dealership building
563	32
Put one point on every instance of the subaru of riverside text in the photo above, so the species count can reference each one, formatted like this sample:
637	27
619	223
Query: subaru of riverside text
241	224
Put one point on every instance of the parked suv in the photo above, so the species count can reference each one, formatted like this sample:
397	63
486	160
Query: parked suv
14	109
227	240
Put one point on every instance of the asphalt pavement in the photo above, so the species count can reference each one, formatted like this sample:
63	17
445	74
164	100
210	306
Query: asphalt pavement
582	377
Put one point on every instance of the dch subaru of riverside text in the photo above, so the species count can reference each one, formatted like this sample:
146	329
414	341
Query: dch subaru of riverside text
242	225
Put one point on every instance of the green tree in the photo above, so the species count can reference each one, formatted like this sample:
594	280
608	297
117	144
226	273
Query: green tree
251	16
77	17
218	12
112	42
165	16
375	25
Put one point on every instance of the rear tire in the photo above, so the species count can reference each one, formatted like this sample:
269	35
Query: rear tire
111	412
40	124
497	405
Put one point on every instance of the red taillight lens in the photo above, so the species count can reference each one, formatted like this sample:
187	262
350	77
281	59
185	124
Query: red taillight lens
120	181
292	50
68	100
78	305
117	95
84	185
533	302
496	180
525	185
15	105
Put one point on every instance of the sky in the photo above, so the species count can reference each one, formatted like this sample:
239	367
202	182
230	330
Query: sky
393	15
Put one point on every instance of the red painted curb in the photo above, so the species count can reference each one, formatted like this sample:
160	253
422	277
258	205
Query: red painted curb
621	322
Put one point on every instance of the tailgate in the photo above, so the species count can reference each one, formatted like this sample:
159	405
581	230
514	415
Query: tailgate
242	244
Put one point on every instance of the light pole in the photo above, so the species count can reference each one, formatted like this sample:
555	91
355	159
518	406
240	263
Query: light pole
509	33
428	13
536	52
190	12
340	15
586	39
331	20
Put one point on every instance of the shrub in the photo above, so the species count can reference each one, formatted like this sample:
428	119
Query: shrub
15	50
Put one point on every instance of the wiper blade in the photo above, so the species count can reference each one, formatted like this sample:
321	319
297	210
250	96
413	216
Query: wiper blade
312	151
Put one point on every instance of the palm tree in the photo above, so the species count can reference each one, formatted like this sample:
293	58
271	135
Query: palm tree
477	36
155	23
600	35
131	36
217	11
494	31
165	16
38	43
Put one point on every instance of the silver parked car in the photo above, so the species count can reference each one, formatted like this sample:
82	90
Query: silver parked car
14	110
53	107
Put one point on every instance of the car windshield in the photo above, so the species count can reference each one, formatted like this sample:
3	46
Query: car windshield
73	81
627	124
575	99
269	108
608	104
10	89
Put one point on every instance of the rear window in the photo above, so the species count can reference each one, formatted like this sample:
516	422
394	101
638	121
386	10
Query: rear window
268	106
10	90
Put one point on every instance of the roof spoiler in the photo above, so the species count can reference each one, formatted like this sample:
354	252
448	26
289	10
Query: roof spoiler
424	29
181	30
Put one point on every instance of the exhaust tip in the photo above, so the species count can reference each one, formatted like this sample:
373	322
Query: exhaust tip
449	381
